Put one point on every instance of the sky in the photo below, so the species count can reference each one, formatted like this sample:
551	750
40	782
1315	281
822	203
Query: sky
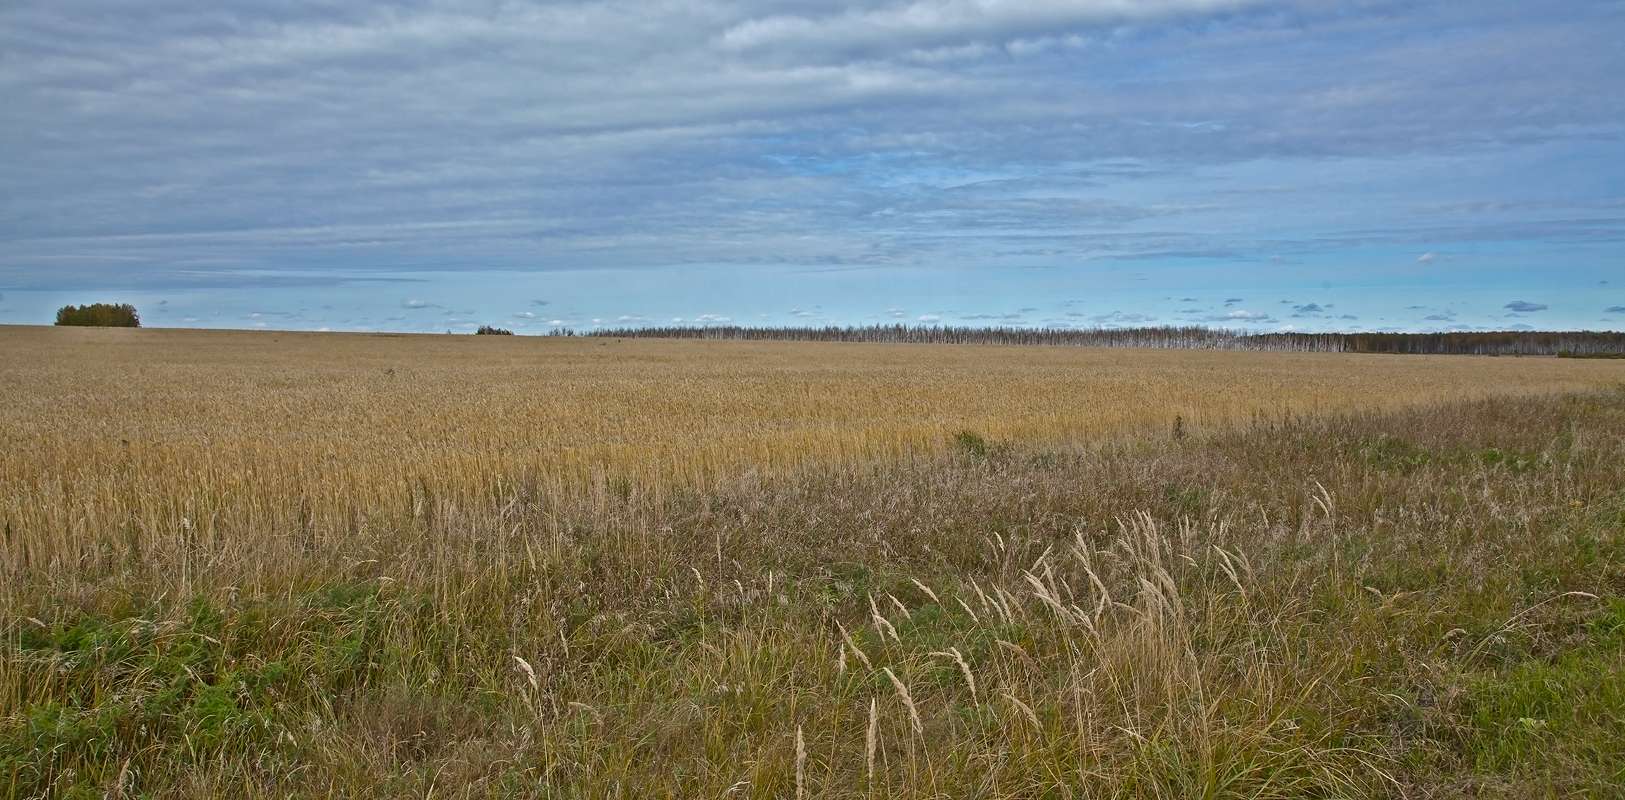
437	166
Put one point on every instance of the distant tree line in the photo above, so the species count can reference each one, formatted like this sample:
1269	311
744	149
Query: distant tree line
1491	343
99	315
488	330
1191	337
1579	343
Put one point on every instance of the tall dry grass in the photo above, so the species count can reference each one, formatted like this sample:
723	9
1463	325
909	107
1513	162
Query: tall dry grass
122	442
1421	600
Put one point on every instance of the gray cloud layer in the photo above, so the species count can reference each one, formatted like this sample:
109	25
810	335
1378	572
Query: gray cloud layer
222	141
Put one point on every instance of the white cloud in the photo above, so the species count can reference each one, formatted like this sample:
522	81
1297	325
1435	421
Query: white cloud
1120	318
712	319
1425	258
525	315
929	318
414	304
959	25
1241	316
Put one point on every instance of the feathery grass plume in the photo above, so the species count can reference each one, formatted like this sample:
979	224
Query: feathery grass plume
900	607
1047	595
857	651
801	765
966	606
1026	710
1227	564
871	742
927	590
1014	648
964	669
596	716
908	699
530	672
986	605
882	625
1007	604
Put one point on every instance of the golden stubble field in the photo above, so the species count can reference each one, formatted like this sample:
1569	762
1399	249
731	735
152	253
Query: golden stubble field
142	431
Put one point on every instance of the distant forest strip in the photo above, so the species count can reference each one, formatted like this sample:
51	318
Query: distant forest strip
1493	343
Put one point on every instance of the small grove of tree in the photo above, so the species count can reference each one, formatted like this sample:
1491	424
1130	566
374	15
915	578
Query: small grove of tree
100	315
487	330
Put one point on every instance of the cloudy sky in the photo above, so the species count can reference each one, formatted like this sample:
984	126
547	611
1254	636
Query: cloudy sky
427	166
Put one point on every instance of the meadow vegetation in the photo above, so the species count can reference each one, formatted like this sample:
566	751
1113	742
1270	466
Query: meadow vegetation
271	564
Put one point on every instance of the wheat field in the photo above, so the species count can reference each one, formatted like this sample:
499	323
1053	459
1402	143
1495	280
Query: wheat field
254	432
257	564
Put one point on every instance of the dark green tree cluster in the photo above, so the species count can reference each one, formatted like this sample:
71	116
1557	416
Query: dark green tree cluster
99	315
487	330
